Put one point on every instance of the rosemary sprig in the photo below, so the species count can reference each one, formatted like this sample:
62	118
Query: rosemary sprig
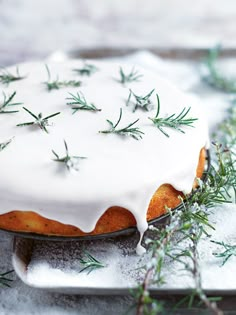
87	69
7	101
3	145
175	121
132	76
129	130
39	121
6	77
142	102
70	161
189	259
158	247
57	84
220	181
227	251
4	280
214	76
90	263
79	102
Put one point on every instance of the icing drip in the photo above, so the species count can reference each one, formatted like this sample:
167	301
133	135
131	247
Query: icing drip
118	170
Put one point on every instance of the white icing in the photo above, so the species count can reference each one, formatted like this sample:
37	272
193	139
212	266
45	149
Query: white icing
118	171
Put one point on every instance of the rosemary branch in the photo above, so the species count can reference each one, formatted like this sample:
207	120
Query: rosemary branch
142	102
191	264
175	121
39	121
132	76
7	102
3	145
6	77
129	130
192	230
90	263
4	280
79	102
70	161
220	181
57	84
87	69
214	76
159	248
227	252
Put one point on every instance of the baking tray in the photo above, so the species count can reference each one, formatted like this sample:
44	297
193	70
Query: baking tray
23	253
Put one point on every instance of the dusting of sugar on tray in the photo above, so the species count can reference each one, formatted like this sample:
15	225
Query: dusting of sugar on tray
56	265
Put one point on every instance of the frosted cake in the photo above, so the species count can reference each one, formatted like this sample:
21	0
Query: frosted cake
94	147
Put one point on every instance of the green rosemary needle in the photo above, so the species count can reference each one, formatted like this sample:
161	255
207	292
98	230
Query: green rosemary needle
133	132
79	102
6	77
3	145
214	77
228	251
142	102
4	280
133	76
90	263
87	69
57	84
70	161
7	101
173	121
40	121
